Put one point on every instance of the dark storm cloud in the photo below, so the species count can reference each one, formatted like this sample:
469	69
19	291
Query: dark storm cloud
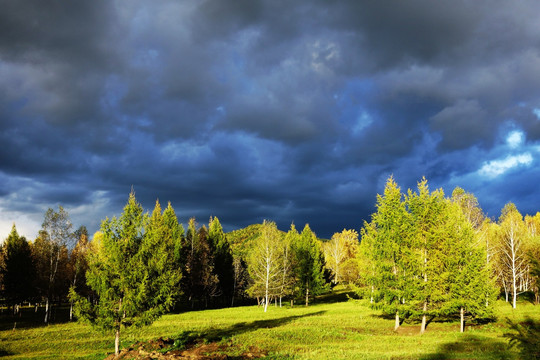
252	110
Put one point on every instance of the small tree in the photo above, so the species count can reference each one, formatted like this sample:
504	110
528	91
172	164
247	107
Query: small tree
131	271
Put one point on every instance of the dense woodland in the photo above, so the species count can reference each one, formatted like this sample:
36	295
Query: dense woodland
422	256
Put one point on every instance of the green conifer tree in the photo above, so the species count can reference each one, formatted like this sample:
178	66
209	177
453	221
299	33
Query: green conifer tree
17	269
223	259
130	271
309	265
388	243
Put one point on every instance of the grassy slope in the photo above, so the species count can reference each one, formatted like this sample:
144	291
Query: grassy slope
340	330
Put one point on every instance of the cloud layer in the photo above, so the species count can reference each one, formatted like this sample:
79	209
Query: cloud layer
251	110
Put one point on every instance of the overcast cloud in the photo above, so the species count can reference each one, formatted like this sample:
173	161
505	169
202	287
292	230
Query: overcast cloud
251	110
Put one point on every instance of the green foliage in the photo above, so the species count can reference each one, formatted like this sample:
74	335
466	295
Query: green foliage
526	337
131	271
264	263
308	265
17	269
422	256
223	259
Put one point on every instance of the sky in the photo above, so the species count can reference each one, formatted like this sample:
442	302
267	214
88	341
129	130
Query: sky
291	111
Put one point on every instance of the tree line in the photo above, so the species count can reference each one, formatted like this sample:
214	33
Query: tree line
421	256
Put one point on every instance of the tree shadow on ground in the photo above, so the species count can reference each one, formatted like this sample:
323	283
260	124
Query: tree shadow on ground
470	345
526	337
28	318
334	297
218	334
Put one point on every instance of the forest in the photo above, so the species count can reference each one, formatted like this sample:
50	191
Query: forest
423	256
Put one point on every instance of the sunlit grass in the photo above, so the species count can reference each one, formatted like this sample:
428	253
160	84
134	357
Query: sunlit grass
340	330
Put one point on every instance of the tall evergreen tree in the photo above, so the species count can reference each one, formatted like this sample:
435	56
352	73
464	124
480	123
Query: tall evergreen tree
17	269
309	265
130	271
389	245
467	283
223	259
201	282
427	210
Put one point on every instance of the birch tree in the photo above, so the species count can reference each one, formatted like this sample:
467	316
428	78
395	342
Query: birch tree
58	230
512	255
340	249
264	263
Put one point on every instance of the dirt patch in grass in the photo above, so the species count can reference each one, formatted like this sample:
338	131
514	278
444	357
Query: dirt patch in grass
157	350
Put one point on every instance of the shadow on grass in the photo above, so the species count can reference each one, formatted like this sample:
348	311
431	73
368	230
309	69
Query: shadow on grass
216	335
526	337
5	353
334	296
28	318
471	346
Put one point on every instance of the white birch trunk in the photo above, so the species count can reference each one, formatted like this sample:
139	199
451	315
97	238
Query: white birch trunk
462	317
117	342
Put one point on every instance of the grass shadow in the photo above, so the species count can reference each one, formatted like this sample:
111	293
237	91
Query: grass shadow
219	334
334	296
470	345
525	336
28	318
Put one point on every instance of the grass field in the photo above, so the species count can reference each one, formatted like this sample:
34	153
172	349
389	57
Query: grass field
326	330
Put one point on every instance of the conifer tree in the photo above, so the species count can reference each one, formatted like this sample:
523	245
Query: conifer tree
309	265
467	283
388	243
428	217
287	264
17	269
200	280
130	272
223	259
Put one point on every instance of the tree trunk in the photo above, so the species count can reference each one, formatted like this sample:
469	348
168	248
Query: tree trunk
117	342
423	326
47	310
396	326
307	296
71	311
462	316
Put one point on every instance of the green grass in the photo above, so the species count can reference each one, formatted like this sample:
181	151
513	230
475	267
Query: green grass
325	330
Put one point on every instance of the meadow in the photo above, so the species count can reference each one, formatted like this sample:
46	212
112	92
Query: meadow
334	327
